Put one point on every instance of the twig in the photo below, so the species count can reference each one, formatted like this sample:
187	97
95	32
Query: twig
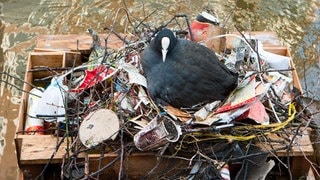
103	149
117	34
273	152
160	160
46	68
257	154
146	17
104	167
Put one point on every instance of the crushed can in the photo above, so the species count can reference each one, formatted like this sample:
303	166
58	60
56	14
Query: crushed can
158	132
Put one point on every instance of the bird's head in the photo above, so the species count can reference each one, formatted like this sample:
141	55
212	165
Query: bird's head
165	42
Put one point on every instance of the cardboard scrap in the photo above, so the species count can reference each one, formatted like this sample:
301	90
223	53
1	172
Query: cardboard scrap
177	113
239	97
239	102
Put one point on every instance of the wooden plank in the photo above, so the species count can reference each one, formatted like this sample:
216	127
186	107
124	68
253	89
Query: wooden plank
37	149
296	80
72	59
280	50
45	59
299	166
301	147
268	38
69	42
24	98
137	165
50	59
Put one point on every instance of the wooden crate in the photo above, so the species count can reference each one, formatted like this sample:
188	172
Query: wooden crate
56	51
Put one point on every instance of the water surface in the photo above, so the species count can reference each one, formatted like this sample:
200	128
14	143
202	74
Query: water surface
296	22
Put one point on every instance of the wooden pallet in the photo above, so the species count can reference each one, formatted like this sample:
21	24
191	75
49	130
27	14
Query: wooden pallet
56	51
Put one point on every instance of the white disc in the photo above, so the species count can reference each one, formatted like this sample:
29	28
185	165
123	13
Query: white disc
98	126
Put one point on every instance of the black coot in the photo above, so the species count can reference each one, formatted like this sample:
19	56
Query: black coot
182	73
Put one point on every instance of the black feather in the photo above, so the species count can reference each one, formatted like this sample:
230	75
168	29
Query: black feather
191	73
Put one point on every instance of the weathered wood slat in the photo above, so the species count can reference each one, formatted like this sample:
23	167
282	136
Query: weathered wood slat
268	38
302	145
37	149
137	165
69	42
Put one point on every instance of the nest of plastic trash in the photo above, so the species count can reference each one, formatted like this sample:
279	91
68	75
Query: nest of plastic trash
105	103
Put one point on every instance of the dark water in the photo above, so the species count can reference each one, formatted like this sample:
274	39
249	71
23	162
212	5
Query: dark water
296	22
